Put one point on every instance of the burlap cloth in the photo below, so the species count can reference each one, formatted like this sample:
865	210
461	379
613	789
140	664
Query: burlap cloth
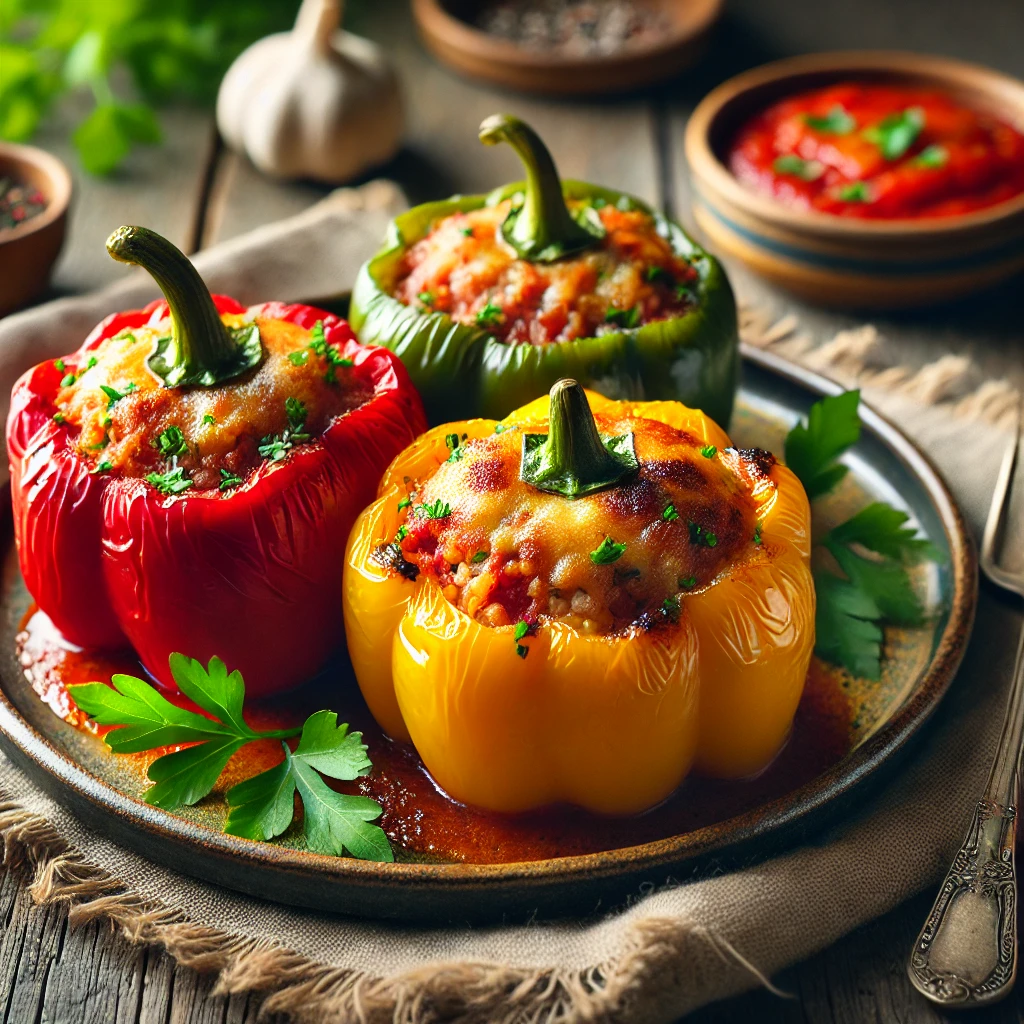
669	951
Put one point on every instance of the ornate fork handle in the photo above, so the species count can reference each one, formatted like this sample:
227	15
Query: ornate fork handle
966	954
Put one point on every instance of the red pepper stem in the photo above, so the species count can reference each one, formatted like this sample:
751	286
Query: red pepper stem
572	459
202	349
542	229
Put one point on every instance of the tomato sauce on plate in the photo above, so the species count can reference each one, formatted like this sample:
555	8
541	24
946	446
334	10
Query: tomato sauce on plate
879	151
421	820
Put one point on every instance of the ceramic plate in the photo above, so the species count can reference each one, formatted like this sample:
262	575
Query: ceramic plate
709	826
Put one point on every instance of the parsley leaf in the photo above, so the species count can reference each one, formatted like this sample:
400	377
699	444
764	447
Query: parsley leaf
171	442
114	396
260	807
480	556
836	122
709	451
846	627
805	170
607	552
173	481
625	318
856	192
436	510
228	480
298	358
932	156
895	134
811	451
670	514
208	420
490	316
881	528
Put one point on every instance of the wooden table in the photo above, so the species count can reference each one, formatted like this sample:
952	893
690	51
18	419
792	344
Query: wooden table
196	193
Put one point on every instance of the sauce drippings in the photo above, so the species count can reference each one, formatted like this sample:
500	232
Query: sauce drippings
858	149
418	817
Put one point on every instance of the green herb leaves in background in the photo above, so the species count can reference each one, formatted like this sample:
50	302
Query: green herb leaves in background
152	50
871	550
895	134
261	807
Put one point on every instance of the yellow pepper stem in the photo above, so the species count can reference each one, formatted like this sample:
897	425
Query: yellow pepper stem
573	459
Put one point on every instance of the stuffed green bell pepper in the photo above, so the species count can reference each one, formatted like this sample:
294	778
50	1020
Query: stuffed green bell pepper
488	300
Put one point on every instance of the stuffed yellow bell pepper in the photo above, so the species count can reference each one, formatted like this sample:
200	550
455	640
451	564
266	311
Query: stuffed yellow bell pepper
582	602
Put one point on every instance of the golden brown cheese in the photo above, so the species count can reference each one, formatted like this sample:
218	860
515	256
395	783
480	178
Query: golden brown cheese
508	551
464	268
223	426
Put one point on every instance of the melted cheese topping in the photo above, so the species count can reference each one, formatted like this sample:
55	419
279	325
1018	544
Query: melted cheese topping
223	426
466	269
509	552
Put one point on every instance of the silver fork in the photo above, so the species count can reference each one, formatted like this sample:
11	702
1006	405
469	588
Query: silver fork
966	954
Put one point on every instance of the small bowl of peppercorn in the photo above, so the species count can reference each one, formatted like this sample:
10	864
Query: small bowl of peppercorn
35	192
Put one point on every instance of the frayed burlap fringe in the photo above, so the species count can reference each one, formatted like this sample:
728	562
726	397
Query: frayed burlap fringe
859	357
307	991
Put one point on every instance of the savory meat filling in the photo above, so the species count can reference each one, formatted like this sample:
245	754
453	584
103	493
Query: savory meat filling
466	269
200	438
505	552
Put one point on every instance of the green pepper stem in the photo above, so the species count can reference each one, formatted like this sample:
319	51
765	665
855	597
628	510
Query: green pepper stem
202	349
542	229
573	459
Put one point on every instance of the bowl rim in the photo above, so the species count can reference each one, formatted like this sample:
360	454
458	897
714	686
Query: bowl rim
706	166
433	18
61	185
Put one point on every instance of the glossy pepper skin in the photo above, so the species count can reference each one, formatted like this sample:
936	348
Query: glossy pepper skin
463	371
249	574
610	723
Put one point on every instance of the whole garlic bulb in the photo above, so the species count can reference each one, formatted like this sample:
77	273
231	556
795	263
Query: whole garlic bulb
315	102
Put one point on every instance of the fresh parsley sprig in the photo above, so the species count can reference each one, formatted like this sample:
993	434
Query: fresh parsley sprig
261	807
872	549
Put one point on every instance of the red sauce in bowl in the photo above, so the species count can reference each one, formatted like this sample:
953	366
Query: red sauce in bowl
879	151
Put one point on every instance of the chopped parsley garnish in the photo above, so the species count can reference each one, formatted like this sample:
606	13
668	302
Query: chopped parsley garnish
298	358
932	156
91	363
401	533
209	420
102	467
260	807
404	503
709	451
607	552
67	380
670	514
59	419
114	396
836	122
480	556
490	316
757	534
172	442
872	549
452	442
427	298
468	232
500	428
895	134
275	446
625	318
523	629
319	346
855	192
670	606
228	480
103	442
59	365
805	170
698	536
436	510
685	582
684	291
173	481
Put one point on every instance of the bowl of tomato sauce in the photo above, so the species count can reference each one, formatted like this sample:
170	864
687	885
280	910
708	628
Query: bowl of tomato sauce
871	180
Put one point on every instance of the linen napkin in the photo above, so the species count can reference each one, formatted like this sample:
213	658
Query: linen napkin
670	950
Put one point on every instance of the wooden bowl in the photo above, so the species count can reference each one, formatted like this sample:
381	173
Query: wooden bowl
841	261
447	33
29	251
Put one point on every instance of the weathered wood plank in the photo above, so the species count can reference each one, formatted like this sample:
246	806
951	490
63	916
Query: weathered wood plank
158	186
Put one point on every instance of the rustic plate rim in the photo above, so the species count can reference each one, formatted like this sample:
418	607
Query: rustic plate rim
774	816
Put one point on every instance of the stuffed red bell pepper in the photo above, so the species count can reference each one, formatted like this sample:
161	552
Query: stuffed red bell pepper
187	479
